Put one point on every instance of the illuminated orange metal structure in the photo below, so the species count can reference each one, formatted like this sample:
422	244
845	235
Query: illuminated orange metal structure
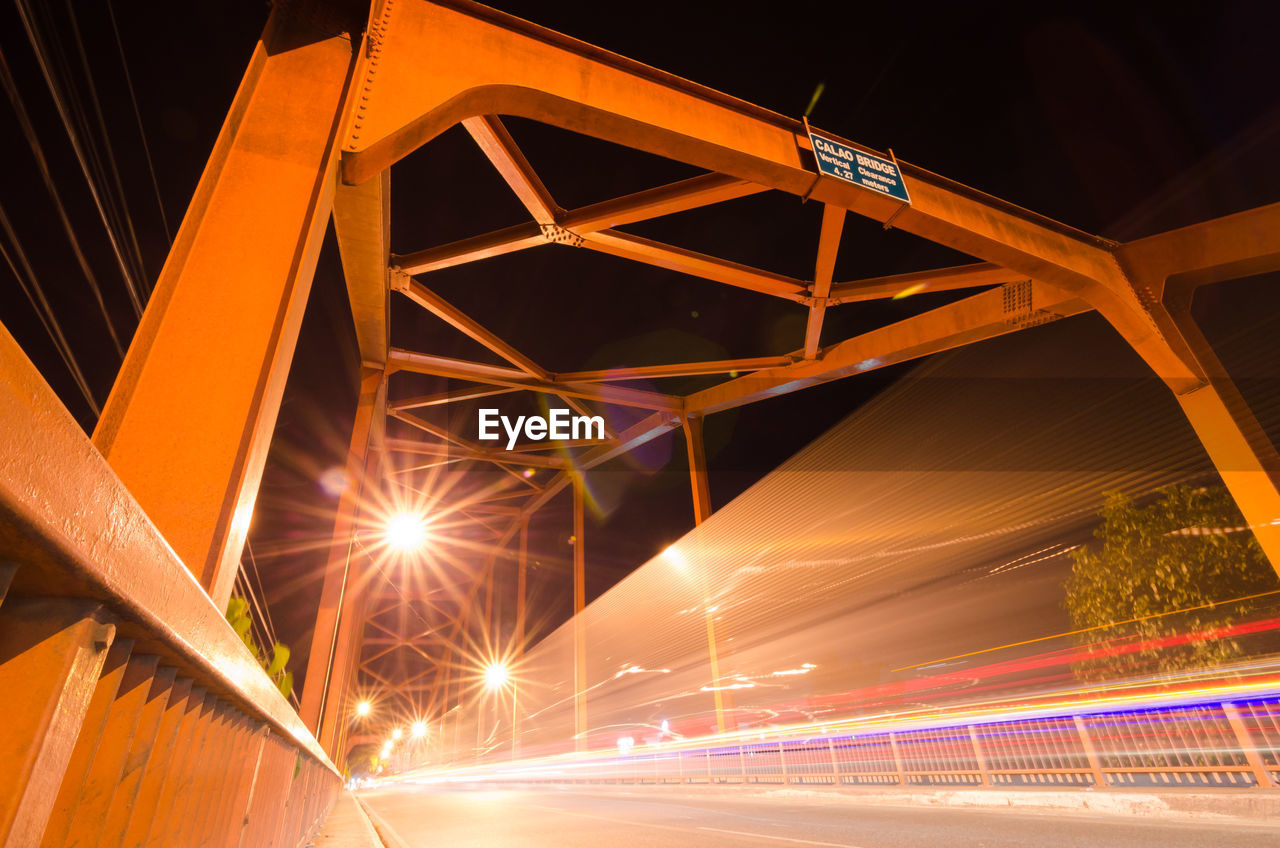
132	685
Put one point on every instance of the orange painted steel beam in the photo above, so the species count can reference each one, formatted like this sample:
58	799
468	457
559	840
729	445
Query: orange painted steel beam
456	318
692	193
442	398
981	316
485	246
1170	267
698	480
186	428
424	84
501	149
650	252
922	282
462	322
1233	246
51	652
441	433
457	369
678	369
336	589
681	196
362	225
476	454
824	270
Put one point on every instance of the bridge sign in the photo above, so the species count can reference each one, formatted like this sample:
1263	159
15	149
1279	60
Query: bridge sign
858	167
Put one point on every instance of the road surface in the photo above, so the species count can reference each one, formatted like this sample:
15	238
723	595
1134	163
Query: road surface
624	817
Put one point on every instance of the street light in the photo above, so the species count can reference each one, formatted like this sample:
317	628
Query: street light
364	708
496	675
419	729
396	734
406	531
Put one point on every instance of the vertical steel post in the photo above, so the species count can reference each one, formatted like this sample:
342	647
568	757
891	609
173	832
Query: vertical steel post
897	759
579	625
1090	753
1248	747
700	486
522	567
337	592
978	755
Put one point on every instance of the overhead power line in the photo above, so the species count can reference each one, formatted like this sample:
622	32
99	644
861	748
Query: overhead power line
85	154
30	285
42	165
137	114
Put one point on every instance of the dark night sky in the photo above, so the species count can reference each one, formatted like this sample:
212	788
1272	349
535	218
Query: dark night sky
1119	118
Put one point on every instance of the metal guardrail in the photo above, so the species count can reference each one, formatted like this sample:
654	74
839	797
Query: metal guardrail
1222	744
133	714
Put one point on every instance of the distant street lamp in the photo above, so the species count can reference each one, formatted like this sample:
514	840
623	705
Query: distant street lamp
406	531
496	675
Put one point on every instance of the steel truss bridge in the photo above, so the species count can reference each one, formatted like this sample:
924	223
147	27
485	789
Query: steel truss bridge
137	717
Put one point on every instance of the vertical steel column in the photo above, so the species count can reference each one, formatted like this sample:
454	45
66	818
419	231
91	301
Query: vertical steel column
1090	753
190	418
52	652
978	755
337	592
1248	747
579	625
897	759
522	567
700	485
1167	276
835	764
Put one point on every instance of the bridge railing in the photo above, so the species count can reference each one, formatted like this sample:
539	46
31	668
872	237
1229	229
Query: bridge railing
1232	743
132	712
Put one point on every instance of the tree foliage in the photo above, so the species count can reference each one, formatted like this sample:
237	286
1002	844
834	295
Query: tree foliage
241	620
1187	549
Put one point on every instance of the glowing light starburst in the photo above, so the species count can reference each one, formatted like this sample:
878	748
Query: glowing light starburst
406	532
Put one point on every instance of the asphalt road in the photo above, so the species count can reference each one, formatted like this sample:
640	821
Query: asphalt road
639	818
